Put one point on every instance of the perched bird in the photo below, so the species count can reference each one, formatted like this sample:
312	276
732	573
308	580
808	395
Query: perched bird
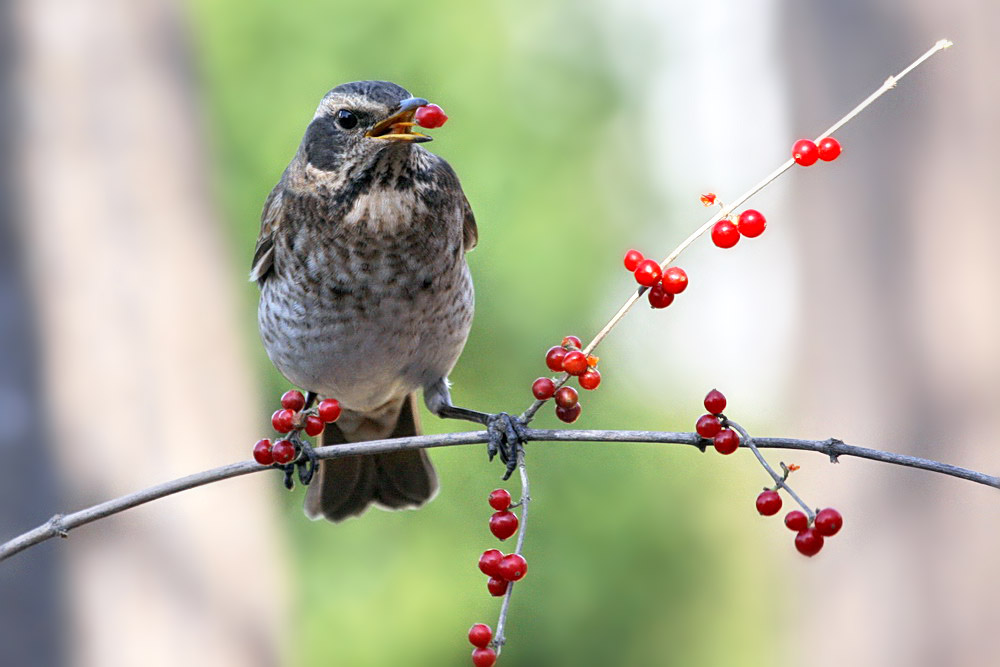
365	294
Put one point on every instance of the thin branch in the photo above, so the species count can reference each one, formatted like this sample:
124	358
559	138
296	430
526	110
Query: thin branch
747	441
60	525
727	210
498	642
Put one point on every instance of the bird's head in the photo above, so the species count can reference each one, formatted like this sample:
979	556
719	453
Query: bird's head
355	122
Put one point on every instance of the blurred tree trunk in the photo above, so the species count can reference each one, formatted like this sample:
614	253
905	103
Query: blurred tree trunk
903	324
141	345
29	587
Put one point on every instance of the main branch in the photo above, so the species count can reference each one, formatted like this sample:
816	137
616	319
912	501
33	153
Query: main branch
60	525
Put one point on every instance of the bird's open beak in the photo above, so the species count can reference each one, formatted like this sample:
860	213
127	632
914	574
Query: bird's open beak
398	126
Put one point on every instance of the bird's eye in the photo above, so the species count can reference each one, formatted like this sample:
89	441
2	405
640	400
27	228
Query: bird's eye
346	119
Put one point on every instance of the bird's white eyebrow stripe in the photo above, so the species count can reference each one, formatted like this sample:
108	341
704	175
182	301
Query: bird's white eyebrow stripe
331	103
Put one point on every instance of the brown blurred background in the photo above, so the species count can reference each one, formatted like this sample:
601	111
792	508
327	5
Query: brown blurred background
139	140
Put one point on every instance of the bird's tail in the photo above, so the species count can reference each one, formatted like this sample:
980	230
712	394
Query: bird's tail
345	487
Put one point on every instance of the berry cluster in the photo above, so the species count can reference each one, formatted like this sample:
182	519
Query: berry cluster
750	223
712	426
569	357
805	152
663	285
480	636
502	569
810	530
808	538
430	116
293	417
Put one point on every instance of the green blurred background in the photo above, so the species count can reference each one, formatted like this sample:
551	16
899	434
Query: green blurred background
140	139
623	569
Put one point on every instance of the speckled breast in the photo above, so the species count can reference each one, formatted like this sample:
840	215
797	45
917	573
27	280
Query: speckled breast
369	309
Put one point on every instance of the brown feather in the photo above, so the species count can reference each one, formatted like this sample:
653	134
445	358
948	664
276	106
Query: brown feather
470	232
346	487
270	218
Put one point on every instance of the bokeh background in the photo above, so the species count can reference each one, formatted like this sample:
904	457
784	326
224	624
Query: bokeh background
139	141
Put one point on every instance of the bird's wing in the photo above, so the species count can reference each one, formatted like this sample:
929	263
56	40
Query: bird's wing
448	179
270	218
470	232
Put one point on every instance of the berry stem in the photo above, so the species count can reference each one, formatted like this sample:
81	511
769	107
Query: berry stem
889	84
522	469
779	480
725	211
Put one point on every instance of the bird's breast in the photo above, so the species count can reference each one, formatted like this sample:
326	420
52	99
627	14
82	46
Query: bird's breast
385	210
372	306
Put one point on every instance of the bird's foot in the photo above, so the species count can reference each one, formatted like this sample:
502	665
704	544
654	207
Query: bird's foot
306	462
507	434
506	438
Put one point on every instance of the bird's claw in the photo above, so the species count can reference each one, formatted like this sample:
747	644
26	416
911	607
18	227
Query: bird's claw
306	463
506	438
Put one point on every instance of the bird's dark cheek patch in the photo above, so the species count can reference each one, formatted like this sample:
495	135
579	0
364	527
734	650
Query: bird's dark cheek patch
325	144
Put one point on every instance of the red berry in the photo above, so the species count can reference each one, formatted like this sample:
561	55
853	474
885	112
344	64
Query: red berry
567	397
329	410
659	297
727	441
484	657
575	362
489	562
499	499
554	358
725	234
430	116
797	521
543	388
768	502
262	452
283	420
708	426
708	199
569	415
572	341
591	379
632	259
496	586
751	223
675	280
715	402
480	635
828	522
805	152
647	273
513	567
314	425
809	542
283	451
293	400
829	149
503	524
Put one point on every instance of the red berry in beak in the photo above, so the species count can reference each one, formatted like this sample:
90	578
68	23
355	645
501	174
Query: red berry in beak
430	116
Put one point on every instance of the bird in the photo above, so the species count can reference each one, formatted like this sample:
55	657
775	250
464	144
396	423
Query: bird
365	292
